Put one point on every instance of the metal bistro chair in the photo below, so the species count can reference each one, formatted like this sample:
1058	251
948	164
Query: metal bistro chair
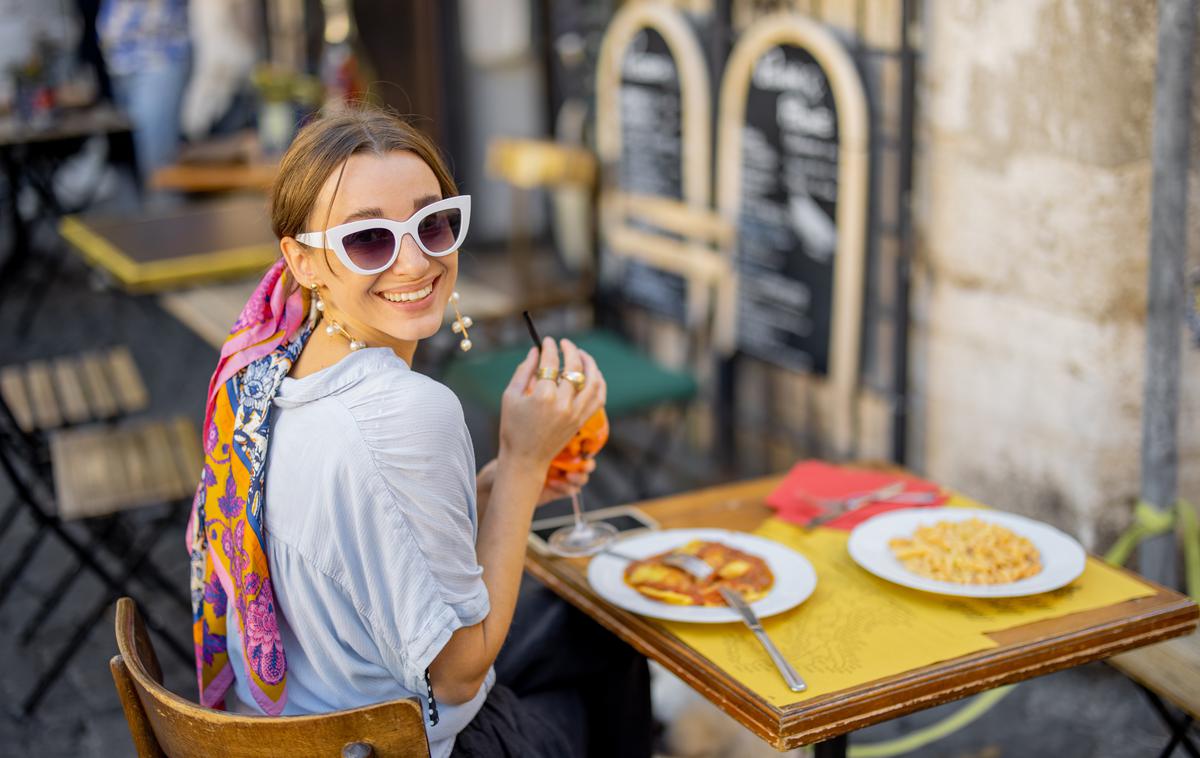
1168	671
164	724
92	474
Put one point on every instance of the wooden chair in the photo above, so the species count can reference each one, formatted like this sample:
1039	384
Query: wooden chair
567	171
164	724
1168	671
74	389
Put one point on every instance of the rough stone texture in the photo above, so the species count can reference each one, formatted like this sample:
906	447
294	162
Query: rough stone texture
1032	209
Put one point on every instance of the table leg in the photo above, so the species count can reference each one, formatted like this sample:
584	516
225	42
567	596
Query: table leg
121	153
832	748
18	251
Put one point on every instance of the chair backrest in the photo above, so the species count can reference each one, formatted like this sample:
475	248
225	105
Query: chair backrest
673	236
568	173
164	724
531	164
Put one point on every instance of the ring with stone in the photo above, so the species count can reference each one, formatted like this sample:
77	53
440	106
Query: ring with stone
548	372
576	378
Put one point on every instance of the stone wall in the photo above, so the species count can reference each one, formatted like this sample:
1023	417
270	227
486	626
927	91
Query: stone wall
1032	210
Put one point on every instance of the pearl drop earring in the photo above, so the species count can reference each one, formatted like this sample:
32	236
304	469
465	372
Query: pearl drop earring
315	305
461	324
333	328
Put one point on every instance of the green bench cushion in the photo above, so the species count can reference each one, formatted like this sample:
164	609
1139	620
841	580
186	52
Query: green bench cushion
635	382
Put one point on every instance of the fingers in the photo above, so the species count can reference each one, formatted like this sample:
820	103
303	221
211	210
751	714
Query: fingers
580	478
559	490
546	388
572	361
595	392
522	374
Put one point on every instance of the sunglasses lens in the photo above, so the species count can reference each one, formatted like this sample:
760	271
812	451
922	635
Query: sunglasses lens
370	248
438	231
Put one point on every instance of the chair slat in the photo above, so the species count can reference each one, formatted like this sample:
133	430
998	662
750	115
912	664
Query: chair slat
128	386
1170	669
46	412
78	472
69	385
168	483
129	446
135	714
98	386
188	450
16	397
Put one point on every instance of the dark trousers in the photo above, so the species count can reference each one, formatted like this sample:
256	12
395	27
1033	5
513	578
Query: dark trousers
565	687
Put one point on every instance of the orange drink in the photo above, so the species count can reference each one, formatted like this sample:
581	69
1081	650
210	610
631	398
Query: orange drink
584	446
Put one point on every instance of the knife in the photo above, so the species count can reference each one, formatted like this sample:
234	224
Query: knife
735	601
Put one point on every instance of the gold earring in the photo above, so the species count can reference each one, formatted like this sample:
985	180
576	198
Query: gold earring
461	323
333	328
316	306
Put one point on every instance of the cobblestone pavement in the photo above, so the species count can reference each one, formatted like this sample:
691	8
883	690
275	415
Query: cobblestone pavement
1090	711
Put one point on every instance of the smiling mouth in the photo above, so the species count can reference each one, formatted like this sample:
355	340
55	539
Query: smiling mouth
412	296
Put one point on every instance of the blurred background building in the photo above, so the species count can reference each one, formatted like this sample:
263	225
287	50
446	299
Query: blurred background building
973	297
1006	236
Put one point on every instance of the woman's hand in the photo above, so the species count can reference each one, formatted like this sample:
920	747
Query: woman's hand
563	488
538	417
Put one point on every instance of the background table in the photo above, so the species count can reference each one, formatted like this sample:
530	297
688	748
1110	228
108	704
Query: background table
189	177
1022	651
196	241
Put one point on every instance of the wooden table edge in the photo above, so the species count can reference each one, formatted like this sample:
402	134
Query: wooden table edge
138	276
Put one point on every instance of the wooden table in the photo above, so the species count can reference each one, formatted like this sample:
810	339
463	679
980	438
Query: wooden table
219	164
1022	652
215	177
198	241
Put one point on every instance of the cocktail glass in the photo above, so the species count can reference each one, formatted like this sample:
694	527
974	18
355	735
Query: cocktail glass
583	537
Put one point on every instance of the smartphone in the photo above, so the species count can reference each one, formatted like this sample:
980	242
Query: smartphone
625	518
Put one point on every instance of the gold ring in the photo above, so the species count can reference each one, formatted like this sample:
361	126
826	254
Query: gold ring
576	378
548	373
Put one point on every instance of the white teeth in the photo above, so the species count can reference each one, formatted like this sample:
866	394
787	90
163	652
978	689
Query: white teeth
407	297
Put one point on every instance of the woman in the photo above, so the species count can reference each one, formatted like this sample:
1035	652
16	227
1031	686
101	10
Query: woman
357	558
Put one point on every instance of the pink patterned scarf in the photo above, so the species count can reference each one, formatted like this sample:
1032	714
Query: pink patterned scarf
225	537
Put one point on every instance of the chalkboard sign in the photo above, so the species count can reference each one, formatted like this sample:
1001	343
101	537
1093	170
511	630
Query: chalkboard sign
652	155
787	224
792	165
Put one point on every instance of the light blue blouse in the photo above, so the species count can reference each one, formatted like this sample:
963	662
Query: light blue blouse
371	526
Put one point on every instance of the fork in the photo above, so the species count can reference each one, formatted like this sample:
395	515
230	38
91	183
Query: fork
701	571
893	493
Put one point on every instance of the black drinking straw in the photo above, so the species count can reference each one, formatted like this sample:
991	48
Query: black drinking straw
533	332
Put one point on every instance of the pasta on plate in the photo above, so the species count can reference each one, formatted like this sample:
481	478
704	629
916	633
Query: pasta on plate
972	551
735	569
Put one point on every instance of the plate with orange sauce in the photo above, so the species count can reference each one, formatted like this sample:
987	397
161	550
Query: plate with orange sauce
773	578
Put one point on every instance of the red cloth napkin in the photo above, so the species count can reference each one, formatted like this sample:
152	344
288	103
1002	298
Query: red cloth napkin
798	498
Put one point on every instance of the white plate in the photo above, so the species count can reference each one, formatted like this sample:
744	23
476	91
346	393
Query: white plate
1063	558
795	578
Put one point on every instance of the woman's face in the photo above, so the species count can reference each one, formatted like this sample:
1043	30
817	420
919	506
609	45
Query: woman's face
380	309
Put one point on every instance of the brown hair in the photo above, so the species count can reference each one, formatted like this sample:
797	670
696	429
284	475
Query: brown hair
326	143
